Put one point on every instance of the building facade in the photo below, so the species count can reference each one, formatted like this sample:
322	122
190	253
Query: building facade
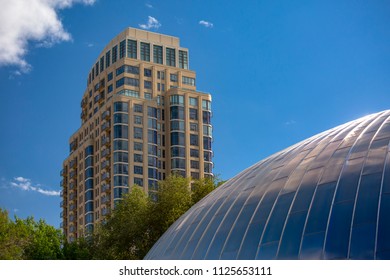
141	119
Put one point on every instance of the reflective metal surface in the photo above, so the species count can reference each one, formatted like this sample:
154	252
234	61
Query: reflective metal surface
327	197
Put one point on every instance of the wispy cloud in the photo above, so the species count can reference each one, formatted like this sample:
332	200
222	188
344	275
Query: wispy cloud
25	184
206	24
290	122
150	6
25	21
152	23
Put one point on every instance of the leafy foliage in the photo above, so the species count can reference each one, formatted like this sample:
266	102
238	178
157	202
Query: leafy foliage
138	222
135	224
28	239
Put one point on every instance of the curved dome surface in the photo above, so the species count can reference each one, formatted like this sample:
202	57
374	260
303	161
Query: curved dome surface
327	197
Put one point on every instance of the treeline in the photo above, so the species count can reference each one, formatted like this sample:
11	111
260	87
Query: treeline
129	232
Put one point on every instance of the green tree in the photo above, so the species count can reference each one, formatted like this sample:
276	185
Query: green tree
173	200
44	240
79	249
28	239
125	235
137	222
13	238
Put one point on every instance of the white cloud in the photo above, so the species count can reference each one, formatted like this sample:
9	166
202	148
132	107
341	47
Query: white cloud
152	23
150	6
206	24
25	21
290	122
25	184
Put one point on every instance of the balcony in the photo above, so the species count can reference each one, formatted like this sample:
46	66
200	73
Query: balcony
62	183
83	102
72	186
106	141
62	205
106	115
73	164
106	188
106	152
106	126
105	164
61	193
105	176
72	174
105	199
83	114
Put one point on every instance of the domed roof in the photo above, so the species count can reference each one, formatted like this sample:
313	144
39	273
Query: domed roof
327	197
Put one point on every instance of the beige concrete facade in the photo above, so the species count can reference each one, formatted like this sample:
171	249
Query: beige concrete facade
141	119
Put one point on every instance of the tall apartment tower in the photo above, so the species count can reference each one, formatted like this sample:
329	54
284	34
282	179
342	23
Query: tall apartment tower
141	119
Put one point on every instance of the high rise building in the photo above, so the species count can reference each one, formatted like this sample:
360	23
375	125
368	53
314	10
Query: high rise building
141	119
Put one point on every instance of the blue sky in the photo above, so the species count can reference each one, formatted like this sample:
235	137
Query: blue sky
278	71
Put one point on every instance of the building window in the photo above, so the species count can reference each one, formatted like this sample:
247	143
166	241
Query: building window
110	88
193	101
171	57
122	49
206	143
109	76
132	49
206	105
121	168
97	68
207	156
114	54
108	59
177	112
121	145
177	99
121	107
194	164
193	114
183	59
207	130
173	78
188	81
137	119
152	112
206	117
148	96
121	131
101	64
138	108
127	81
127	69
178	152
177	125
177	138
194	140
121	118
194	153
158	54
147	72
193	127
138	146
121	181
138	132
147	84
128	92
138	158
139	181
145	51
178	163
138	170
121	157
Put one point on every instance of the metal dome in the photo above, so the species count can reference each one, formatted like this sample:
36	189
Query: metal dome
327	197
